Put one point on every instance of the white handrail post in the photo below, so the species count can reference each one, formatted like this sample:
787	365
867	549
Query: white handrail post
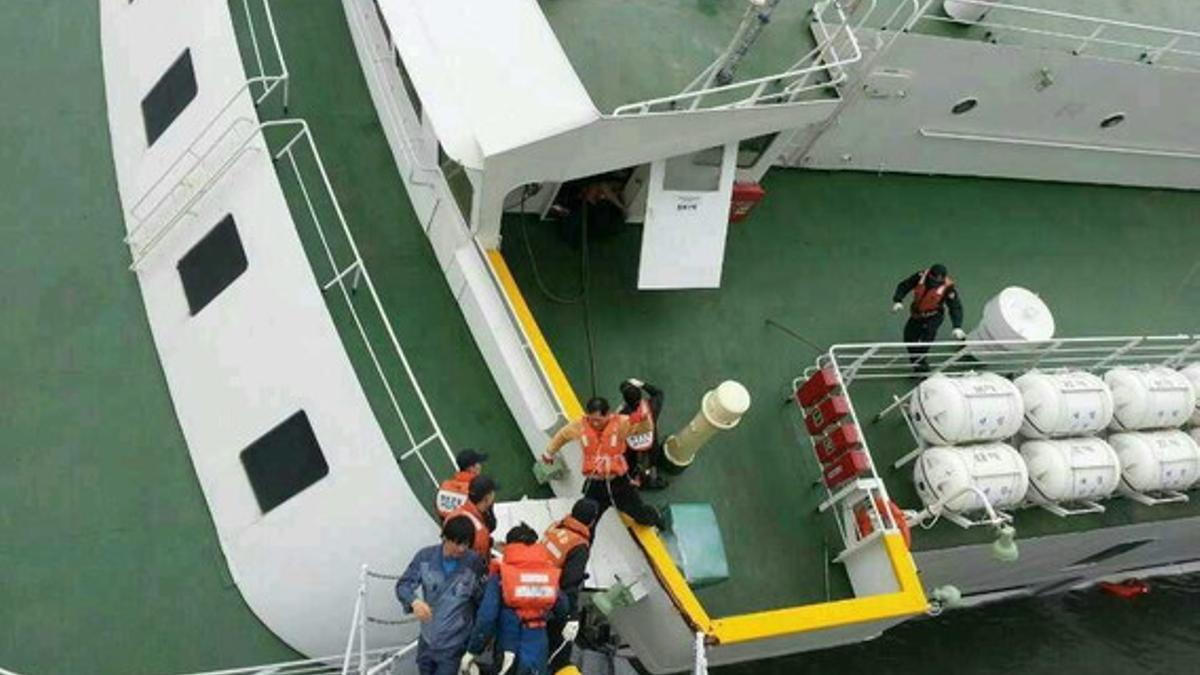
354	622
701	664
362	623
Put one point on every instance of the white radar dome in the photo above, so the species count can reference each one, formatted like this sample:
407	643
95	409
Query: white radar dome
1063	404
965	409
1070	469
1152	397
944	474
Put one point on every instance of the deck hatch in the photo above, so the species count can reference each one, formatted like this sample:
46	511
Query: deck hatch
212	264
169	96
284	461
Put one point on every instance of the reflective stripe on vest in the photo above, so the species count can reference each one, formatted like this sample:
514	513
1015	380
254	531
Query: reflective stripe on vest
928	301
483	539
563	537
643	441
529	582
603	451
453	493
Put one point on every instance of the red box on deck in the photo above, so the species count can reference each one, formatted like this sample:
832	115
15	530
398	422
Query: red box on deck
844	437
743	200
848	466
826	414
816	387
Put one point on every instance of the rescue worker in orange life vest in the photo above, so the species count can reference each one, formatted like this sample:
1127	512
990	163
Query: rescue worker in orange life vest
933	291
481	494
517	602
602	435
643	404
569	543
453	491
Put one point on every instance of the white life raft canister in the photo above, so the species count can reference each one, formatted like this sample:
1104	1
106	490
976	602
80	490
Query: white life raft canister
1063	404
1153	461
1151	397
996	469
965	409
1070	469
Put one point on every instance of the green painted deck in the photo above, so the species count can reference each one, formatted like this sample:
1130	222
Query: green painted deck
822	256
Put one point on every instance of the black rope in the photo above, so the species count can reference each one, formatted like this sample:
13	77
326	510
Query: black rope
584	283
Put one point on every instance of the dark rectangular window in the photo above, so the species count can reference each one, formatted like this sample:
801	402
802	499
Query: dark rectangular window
170	95
1111	552
212	264
284	462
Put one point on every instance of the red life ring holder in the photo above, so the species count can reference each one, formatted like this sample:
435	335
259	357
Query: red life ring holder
862	517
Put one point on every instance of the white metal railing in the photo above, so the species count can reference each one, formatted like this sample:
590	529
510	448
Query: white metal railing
891	360
357	272
371	660
700	665
280	79
406	116
802	76
357	657
400	109
193	173
1092	35
866	491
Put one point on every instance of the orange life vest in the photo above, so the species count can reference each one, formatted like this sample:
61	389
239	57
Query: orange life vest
565	536
483	538
928	301
643	417
453	493
529	582
604	450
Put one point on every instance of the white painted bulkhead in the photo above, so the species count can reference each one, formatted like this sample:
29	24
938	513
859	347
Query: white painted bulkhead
1038	116
263	349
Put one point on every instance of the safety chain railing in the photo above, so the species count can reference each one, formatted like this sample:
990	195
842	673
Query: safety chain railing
1080	34
358	656
802	76
379	661
208	156
347	278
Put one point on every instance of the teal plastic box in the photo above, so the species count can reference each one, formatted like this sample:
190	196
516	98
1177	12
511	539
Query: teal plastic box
693	539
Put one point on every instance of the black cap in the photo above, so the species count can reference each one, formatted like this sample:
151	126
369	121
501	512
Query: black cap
479	488
938	270
469	457
585	511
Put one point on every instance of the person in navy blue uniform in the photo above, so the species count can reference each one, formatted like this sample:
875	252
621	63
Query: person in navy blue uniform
449	577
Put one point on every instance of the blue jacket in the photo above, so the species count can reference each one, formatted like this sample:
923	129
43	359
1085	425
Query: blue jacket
451	597
531	645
